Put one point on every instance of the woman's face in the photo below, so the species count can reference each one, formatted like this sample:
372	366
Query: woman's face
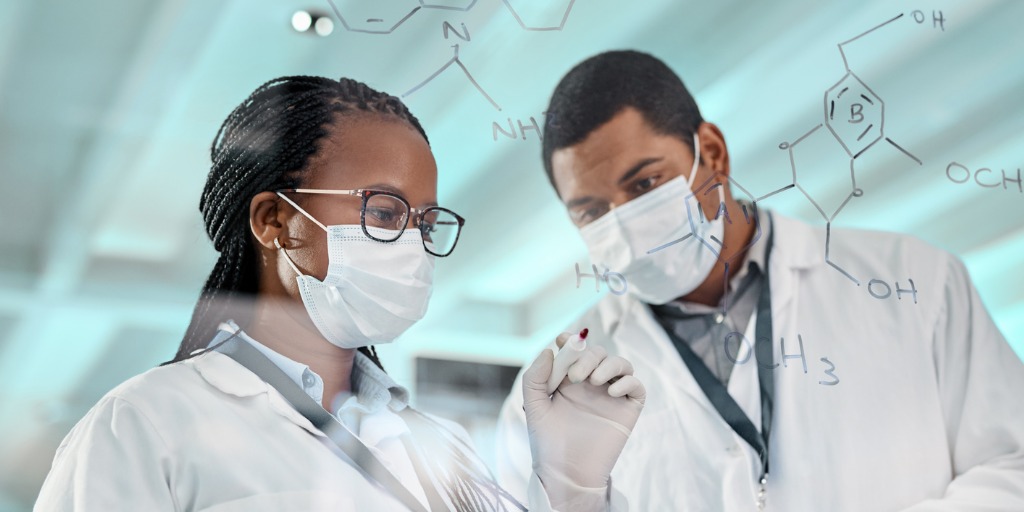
362	152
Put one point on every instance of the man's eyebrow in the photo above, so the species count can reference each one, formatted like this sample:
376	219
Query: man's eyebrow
578	201
637	168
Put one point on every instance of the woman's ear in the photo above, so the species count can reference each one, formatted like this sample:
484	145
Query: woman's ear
713	149
266	219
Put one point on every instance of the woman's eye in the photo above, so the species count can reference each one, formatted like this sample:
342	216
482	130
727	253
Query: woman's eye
381	214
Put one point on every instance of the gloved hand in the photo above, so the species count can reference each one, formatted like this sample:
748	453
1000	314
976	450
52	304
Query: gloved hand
577	433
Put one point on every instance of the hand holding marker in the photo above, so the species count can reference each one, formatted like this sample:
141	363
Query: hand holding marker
567	355
577	429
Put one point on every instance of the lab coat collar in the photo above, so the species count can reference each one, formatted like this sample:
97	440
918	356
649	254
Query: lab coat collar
227	376
372	386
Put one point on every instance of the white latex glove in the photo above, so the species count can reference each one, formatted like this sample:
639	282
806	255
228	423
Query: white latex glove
577	433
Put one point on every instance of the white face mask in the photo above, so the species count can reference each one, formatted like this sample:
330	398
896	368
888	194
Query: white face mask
374	291
620	240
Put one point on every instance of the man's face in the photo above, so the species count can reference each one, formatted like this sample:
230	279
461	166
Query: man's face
622	160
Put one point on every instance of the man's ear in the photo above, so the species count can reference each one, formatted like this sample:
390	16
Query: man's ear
266	220
713	149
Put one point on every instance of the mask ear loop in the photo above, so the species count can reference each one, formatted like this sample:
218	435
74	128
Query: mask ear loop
308	216
693	171
299	208
286	257
696	161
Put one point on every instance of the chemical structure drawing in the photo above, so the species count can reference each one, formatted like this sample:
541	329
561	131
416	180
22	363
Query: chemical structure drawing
535	21
606	277
454	61
855	116
743	356
385	17
375	17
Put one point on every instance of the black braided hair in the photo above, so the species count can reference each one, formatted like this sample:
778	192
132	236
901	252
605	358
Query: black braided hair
265	144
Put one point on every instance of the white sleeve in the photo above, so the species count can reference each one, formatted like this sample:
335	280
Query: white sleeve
980	382
113	459
513	459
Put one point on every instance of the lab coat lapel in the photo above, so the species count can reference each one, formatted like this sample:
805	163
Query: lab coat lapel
644	341
229	377
795	249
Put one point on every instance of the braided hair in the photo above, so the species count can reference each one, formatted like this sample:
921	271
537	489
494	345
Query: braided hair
265	144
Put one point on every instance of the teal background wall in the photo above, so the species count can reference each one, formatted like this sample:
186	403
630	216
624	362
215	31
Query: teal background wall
108	107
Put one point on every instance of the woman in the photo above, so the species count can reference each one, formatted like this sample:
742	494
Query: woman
294	411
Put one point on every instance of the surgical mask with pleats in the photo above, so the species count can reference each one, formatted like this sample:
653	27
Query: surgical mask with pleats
373	291
620	240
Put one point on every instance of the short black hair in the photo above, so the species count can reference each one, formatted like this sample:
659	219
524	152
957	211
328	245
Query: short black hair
599	88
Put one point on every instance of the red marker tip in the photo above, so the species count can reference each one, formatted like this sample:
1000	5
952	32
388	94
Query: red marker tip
583	333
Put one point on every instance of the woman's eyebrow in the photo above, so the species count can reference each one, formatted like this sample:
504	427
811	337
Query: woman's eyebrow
384	187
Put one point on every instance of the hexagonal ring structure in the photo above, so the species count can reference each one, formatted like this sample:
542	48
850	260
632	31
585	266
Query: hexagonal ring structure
715	245
448	5
854	114
374	17
550	15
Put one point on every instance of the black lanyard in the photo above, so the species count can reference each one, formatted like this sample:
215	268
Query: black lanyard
718	394
247	355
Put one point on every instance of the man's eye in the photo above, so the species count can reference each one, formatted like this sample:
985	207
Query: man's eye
586	216
645	184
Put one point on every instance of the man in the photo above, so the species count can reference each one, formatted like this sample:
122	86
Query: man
773	380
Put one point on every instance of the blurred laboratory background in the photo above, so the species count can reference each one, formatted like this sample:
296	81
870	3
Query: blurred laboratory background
108	108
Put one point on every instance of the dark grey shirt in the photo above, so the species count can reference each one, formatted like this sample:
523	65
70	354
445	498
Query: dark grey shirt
705	328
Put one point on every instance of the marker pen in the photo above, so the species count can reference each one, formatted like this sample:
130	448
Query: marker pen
567	355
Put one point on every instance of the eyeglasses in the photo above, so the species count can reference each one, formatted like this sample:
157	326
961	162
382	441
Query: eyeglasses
440	227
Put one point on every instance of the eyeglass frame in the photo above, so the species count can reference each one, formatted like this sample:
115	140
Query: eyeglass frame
365	194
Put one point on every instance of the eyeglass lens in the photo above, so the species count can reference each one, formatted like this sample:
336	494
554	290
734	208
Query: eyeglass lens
440	230
439	227
386	211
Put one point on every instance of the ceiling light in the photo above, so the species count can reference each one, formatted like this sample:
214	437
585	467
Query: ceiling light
301	21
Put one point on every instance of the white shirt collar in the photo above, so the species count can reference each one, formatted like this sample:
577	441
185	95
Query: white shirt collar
372	388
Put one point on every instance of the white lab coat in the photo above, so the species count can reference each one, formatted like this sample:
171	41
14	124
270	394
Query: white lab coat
927	414
206	434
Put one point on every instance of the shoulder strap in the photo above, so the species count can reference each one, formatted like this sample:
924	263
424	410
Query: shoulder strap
246	355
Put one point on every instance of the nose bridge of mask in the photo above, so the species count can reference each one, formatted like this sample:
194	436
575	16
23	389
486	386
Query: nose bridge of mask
403	254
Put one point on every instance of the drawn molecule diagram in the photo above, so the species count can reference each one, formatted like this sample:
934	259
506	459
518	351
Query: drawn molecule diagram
855	115
454	61
383	18
606	277
372	17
